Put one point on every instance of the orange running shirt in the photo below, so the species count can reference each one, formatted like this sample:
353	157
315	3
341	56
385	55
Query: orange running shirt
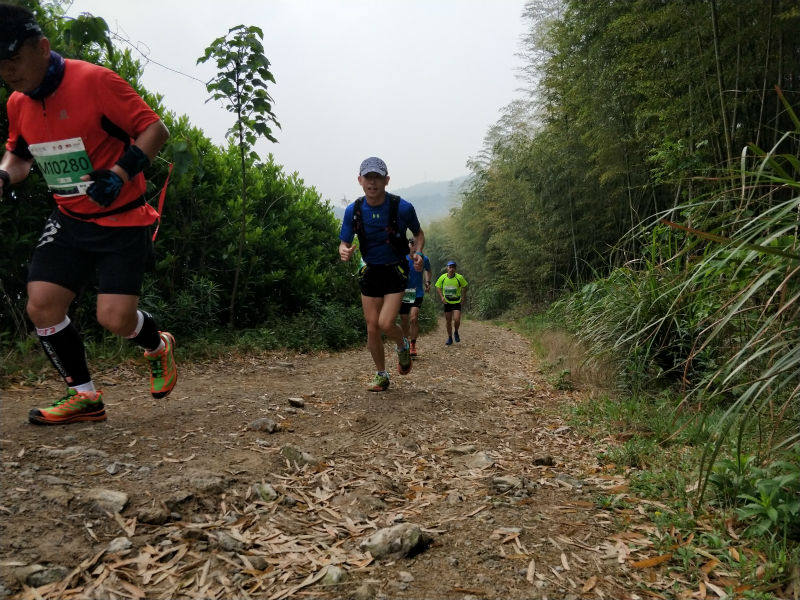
102	109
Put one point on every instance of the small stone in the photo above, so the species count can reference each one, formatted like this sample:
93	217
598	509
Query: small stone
265	491
107	500
178	498
23	573
120	544
46	576
544	461
298	456
405	539
569	481
366	591
153	515
333	575
227	542
505	483
297	402
454	497
264	424
480	460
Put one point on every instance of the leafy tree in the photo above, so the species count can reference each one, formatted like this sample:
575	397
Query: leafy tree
241	82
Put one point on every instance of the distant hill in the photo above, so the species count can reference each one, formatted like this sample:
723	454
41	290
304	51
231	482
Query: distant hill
432	199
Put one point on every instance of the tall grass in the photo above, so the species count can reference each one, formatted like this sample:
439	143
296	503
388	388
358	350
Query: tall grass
712	306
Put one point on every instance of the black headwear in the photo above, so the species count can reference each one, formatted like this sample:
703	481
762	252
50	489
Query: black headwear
17	24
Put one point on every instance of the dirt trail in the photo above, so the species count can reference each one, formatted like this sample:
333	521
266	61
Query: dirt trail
469	446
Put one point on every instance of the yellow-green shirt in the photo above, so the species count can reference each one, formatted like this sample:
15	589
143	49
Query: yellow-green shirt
451	287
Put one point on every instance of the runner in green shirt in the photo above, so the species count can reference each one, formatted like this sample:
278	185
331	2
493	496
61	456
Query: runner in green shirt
452	290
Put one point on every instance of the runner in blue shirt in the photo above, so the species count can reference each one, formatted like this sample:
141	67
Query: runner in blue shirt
380	220
419	282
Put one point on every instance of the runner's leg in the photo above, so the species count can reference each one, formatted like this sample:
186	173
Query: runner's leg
372	309
387	320
414	326
47	308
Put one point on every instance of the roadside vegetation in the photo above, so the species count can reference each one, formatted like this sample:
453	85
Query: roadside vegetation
644	197
743	525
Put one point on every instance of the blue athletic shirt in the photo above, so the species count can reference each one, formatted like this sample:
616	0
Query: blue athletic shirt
376	219
415	277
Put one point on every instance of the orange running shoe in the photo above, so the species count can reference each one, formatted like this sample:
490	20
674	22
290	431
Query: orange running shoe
163	371
413	348
75	407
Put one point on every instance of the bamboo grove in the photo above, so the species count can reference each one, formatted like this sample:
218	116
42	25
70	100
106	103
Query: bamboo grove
648	179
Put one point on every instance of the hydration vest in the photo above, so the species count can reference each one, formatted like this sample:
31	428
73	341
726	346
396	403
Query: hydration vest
396	239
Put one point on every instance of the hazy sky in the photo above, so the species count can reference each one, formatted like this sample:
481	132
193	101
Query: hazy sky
416	82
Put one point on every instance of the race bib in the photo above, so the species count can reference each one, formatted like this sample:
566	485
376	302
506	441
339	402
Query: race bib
410	296
63	163
451	293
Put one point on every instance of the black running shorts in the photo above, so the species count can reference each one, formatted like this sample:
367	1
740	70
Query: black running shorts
376	281
405	307
451	307
70	252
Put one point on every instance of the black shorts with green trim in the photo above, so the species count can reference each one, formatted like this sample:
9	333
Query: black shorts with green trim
376	281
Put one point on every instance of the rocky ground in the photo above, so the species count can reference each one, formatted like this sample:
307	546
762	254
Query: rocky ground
281	476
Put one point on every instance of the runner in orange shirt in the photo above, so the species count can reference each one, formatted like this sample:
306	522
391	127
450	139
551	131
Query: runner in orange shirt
91	135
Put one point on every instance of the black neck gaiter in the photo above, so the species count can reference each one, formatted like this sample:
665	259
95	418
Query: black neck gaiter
53	77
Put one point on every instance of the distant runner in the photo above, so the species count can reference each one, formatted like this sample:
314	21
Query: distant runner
419	282
452	289
91	136
381	220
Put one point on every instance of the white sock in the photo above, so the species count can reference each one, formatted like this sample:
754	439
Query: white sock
161	346
139	324
85	387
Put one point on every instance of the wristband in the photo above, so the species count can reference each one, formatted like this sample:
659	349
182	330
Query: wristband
133	161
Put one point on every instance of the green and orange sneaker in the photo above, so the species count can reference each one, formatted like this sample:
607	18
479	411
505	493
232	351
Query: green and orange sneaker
379	383
75	407
163	371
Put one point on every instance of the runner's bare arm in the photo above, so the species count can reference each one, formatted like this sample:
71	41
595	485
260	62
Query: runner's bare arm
419	244
17	169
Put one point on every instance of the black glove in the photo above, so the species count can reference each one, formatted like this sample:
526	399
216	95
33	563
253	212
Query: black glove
105	187
6	181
